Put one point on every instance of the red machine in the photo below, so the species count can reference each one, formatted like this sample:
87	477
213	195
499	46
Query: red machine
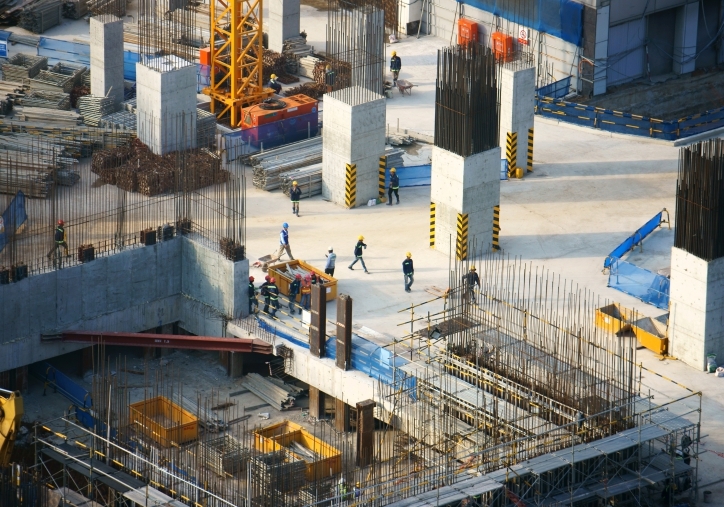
276	110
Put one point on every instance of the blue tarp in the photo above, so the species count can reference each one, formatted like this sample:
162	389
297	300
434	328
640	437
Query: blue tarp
556	90
12	218
560	18
278	133
412	176
633	240
75	393
4	36
640	283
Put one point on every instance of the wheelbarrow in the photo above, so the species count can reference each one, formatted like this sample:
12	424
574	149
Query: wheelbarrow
404	86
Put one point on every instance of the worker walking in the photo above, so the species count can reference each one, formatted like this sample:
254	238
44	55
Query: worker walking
294	288
470	281
273	292
395	67
358	254
274	84
394	187
265	293
409	272
329	78
60	238
295	193
252	296
284	242
306	292
331	260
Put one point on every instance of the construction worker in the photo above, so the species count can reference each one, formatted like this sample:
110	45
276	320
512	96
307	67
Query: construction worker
294	288
60	238
306	292
252	296
409	272
331	260
358	254
470	281
273	292
295	193
274	84
395	67
394	187
265	293
284	242
329	77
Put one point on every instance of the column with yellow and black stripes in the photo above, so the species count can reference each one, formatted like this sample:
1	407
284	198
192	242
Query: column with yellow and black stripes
517	110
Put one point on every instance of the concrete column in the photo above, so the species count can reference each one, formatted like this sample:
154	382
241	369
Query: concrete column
517	107
410	11
282	22
318	326
236	364
166	104
343	357
601	51
696	318
341	415
352	134
106	57
316	402
687	20
468	186
365	433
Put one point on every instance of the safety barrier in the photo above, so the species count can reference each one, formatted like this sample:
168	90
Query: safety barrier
640	283
62	384
637	237
12	219
626	123
412	176
556	90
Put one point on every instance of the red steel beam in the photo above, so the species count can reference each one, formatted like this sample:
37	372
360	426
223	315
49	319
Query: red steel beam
169	341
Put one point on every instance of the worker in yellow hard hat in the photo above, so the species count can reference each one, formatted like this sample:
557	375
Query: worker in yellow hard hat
394	187
295	193
358	254
329	77
274	84
408	271
395	67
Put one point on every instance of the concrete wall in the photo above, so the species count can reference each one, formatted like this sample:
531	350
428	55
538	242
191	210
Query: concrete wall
106	57
166	104
464	185
282	22
135	290
352	134
696	316
687	19
517	107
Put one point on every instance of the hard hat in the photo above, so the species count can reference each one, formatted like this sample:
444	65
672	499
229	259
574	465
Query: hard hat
267	277
251	278
272	280
330	248
273	76
472	268
409	254
328	66
60	222
298	277
294	182
394	53
308	278
393	170
285	225
361	237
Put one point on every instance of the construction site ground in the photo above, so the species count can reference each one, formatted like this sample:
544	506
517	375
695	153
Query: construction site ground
588	192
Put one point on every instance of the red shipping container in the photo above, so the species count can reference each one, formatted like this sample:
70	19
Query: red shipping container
467	31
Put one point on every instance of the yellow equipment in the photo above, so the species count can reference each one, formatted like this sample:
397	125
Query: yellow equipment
11	412
236	53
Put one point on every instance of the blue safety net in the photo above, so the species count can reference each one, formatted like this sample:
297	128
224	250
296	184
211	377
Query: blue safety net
635	239
411	176
12	218
640	283
560	18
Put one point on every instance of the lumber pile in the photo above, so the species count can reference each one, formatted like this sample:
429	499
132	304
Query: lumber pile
342	74
24	66
76	93
45	99
276	396
307	64
312	90
279	64
267	167
75	9
93	108
297	47
309	180
56	117
40	15
135	168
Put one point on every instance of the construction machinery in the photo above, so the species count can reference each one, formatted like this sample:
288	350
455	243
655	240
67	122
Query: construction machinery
11	411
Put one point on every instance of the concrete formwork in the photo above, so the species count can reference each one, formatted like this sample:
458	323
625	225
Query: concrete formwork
464	185
352	134
166	104
282	22
696	319
106	57
517	108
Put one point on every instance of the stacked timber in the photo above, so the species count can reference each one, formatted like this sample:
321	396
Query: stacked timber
309	180
24	66
75	9
93	108
48	116
297	47
307	64
46	99
279	64
276	396
268	166
41	15
311	90
47	80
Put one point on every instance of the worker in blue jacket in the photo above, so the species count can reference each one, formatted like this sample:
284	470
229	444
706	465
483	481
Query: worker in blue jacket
395	67
358	254
394	187
408	270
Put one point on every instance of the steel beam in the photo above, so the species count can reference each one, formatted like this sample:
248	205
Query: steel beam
169	341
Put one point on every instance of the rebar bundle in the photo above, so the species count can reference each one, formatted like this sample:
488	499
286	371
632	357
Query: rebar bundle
700	200
158	36
103	7
24	66
75	9
268	166
309	180
46	99
467	102
40	15
93	108
311	90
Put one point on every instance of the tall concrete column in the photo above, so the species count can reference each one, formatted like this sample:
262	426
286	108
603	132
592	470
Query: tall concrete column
365	433
353	141
600	74
517	108
166	104
106	57
282	22
464	192
316	402
696	318
341	415
687	20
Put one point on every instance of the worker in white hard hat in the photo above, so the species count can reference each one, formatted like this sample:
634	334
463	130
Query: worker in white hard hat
395	67
295	193
358	254
408	271
274	84
331	260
